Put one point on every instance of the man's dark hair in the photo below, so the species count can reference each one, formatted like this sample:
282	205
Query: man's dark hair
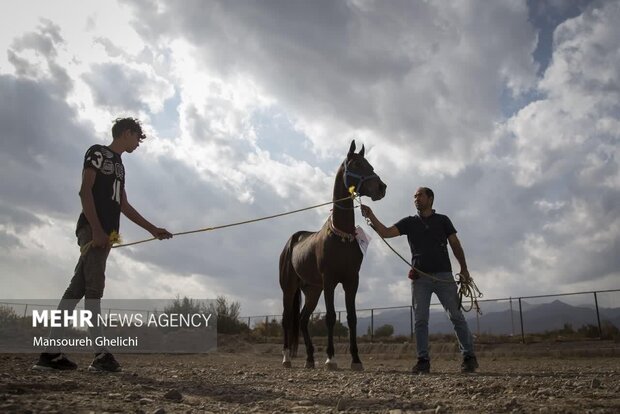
429	193
123	124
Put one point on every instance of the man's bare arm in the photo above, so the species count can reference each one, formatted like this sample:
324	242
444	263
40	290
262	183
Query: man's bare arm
457	249
385	232
133	215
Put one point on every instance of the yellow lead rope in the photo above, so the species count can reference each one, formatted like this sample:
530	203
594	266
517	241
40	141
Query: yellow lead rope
467	288
115	238
235	224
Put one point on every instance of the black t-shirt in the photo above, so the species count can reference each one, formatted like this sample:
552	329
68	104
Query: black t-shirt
428	241
108	187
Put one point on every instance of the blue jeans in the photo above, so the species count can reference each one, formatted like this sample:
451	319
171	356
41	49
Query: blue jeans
446	291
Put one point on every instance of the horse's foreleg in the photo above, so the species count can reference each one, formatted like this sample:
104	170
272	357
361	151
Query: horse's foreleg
286	358
349	298
330	320
312	295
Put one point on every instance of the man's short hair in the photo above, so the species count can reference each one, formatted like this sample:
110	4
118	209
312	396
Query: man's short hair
123	124
429	192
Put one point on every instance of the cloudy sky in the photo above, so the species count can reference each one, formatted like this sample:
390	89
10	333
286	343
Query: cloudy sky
509	110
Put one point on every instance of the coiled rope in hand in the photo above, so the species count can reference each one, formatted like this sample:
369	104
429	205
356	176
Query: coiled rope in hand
469	289
467	286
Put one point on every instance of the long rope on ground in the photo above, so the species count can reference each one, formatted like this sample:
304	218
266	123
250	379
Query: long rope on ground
467	286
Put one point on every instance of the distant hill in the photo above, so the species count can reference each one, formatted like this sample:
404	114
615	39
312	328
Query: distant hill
536	319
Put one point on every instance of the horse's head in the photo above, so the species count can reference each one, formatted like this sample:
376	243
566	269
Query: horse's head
359	173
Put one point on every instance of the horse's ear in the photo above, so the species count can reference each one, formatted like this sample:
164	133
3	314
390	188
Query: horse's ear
362	150
352	147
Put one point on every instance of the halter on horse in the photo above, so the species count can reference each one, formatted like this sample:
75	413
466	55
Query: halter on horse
313	262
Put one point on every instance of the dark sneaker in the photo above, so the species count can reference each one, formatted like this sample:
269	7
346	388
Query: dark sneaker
422	367
470	363
104	362
51	362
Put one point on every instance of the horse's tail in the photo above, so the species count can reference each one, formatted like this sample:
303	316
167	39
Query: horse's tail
291	290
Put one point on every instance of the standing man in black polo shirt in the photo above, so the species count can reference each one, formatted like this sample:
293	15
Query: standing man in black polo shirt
429	234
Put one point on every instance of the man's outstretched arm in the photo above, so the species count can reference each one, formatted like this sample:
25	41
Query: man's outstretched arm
385	232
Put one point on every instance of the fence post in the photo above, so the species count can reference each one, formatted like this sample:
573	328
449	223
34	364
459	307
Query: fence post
598	317
249	320
411	321
512	319
372	324
26	310
521	319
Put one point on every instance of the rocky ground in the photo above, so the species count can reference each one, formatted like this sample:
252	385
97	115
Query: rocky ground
240	377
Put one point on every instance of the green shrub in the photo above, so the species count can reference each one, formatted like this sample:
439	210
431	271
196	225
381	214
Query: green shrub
8	319
271	328
318	327
384	331
228	316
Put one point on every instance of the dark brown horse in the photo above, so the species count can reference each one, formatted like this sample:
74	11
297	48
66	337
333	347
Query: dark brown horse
313	262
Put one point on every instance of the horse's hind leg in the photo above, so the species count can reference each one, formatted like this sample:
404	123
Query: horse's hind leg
311	294
291	298
290	323
350	290
286	327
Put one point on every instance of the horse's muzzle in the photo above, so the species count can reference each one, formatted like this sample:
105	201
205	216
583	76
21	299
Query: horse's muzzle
380	193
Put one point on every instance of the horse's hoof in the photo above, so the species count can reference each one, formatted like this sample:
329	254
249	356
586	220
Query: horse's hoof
309	364
357	366
287	364
331	366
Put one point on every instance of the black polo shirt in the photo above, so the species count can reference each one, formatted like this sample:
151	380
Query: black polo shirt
428	241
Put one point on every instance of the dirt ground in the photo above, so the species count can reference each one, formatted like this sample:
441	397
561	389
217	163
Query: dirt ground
246	378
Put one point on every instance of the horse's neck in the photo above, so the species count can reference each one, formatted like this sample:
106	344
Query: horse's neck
343	218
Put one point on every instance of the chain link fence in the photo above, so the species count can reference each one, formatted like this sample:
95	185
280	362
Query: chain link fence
515	317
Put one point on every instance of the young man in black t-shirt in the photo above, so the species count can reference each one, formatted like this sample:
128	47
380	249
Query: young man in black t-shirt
103	198
429	234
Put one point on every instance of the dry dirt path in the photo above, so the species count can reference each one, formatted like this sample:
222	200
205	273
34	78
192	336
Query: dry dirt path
252	380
